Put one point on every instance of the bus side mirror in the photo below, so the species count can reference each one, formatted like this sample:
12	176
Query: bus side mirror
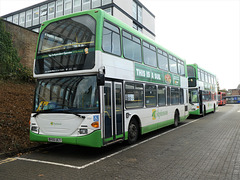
100	79
101	76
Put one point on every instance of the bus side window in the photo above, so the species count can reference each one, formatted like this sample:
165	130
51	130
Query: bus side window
181	96
111	39
149	54
168	95
175	96
150	95
162	96
181	69
134	95
172	64
162	60
132	47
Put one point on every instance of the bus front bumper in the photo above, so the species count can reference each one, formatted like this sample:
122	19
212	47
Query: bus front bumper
91	140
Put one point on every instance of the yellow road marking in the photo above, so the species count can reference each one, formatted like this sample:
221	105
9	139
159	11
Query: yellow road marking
7	160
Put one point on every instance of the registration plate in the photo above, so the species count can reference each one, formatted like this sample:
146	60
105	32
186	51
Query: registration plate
59	140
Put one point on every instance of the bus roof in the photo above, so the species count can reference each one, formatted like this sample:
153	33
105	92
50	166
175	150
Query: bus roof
137	33
196	67
102	14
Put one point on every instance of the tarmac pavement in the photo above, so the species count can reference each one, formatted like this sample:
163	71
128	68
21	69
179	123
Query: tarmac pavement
204	148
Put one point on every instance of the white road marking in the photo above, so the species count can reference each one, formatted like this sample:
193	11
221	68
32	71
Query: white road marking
106	157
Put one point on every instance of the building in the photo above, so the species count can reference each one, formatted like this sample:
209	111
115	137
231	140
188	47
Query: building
132	12
234	92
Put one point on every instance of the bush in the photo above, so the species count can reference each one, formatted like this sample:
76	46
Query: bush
10	66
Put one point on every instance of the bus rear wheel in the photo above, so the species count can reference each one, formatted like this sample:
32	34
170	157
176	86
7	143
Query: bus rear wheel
133	131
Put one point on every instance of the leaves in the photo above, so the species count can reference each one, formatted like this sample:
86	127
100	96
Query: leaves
15	111
10	66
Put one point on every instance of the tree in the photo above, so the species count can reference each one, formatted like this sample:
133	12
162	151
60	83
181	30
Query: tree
10	66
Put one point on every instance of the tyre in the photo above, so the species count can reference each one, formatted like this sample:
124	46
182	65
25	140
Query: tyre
133	131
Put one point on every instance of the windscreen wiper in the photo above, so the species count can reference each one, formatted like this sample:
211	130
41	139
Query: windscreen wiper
63	111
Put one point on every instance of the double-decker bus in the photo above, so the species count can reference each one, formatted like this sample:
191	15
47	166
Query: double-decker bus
99	81
221	98
202	90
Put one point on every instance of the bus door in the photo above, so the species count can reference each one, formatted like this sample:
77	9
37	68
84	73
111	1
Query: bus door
201	101
113	112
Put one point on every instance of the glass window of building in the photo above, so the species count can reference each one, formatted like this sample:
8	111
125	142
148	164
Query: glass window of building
67	7
85	5
76	5
134	8
29	18
22	19
108	10
59	8
138	28
36	30
35	16
104	2
51	10
96	3
139	14
15	19
43	13
10	19
135	26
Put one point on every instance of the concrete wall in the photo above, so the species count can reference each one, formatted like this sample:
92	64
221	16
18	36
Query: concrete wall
148	20
25	41
118	14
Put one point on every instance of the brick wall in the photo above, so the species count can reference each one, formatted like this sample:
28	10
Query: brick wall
25	41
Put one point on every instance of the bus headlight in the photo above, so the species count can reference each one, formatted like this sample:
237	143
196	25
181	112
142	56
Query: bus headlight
83	131
34	129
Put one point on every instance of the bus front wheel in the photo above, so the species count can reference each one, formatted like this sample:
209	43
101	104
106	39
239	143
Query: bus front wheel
133	131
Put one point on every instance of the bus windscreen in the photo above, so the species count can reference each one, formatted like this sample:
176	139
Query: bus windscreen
67	45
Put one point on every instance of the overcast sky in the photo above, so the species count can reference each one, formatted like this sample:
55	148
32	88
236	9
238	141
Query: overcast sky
206	32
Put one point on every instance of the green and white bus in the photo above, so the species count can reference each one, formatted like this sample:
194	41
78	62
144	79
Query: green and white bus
99	81
202	90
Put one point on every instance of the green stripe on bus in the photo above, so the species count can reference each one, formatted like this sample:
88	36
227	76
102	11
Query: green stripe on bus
91	140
